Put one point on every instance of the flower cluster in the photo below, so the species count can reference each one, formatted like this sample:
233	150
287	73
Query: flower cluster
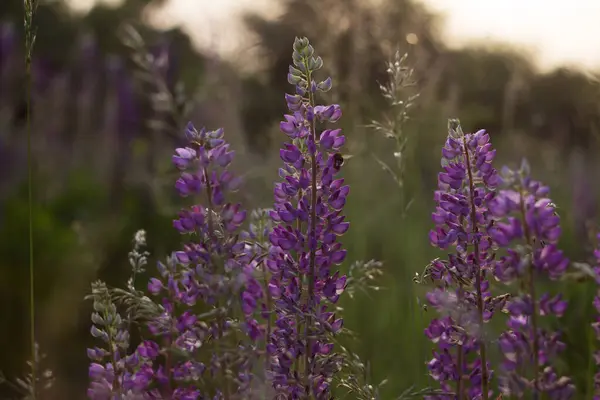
462	297
308	220
113	373
210	270
596	324
231	296
199	289
528	226
202	350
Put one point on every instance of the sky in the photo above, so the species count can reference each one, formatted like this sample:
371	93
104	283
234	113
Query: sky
555	32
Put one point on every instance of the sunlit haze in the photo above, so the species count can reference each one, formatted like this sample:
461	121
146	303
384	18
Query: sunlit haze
557	32
554	32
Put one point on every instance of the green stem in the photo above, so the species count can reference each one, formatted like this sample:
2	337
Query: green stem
591	340
297	363
268	296
460	390
478	277
531	288
459	384
313	238
220	320
29	11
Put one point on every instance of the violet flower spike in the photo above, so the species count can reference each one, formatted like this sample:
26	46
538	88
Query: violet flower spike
465	187
307	217
214	268
596	324
524	214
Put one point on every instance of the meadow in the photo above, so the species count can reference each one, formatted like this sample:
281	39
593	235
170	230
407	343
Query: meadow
369	246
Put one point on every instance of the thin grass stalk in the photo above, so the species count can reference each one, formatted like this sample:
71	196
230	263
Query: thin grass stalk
30	7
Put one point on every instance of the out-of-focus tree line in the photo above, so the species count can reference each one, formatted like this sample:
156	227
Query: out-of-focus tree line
104	131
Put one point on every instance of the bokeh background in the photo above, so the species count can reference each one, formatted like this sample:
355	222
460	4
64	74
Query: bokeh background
103	135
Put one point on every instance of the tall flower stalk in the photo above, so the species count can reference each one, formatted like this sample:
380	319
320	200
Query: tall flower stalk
308	219
212	270
596	324
206	294
528	226
463	298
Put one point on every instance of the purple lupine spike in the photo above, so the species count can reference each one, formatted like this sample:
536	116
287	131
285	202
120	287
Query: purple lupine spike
126	121
585	194
465	187
524	214
165	60
308	220
88	52
7	44
596	324
212	268
43	74
128	118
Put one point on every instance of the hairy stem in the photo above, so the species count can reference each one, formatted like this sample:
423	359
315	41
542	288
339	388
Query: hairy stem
531	289
297	366
269	309
460	359
167	390
268	296
209	209
459	383
169	363
591	359
220	320
312	241
478	276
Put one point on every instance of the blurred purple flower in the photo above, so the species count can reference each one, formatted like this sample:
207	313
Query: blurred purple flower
8	41
596	324
526	215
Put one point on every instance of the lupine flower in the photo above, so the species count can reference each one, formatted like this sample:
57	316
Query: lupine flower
596	324
114	374
213	269
7	45
529	227
308	220
584	194
464	189
258	244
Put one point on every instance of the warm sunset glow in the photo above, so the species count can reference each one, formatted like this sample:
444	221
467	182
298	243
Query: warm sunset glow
555	32
558	32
